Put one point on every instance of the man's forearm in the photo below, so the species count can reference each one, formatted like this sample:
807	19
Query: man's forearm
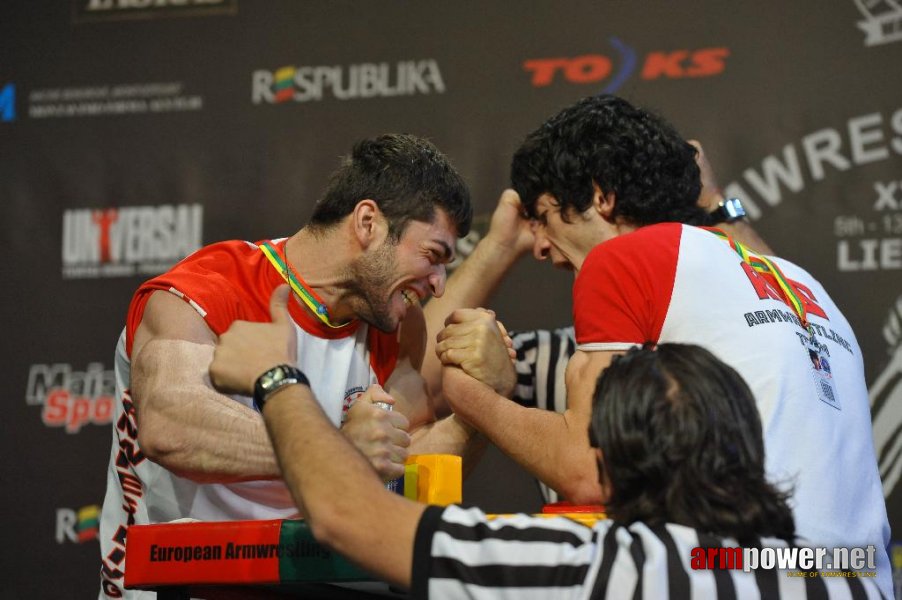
190	429
554	447
471	285
344	501
450	435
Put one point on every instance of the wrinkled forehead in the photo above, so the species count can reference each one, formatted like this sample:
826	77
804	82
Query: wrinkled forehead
532	204
442	225
545	202
547	205
441	231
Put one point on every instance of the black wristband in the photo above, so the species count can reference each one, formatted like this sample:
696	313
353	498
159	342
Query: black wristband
273	380
728	211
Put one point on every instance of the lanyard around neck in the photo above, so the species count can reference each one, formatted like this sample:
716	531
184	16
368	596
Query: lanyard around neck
762	264
298	285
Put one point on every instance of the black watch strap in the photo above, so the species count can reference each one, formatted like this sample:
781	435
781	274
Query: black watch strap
275	379
728	211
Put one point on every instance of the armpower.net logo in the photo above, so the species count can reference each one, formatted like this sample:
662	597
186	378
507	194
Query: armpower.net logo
794	561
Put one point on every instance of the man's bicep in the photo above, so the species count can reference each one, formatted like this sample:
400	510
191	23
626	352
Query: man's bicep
172	346
169	367
166	316
409	391
412	337
582	375
408	384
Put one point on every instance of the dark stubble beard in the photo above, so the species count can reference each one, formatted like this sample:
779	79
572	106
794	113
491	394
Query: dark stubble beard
372	276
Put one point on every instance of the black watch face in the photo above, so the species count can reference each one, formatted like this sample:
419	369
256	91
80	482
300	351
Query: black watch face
272	377
733	210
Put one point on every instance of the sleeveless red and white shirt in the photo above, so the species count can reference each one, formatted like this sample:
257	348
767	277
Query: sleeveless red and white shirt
225	282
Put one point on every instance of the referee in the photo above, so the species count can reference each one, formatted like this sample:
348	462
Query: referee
680	455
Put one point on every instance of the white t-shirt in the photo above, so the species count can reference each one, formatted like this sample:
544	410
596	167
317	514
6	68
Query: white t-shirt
677	283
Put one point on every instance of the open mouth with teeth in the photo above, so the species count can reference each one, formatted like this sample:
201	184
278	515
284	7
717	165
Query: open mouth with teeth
409	297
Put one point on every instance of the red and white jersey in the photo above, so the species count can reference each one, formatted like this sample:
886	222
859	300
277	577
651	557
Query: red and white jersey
676	283
225	282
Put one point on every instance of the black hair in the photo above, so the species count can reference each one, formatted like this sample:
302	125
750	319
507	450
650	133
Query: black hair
681	442
623	149
405	175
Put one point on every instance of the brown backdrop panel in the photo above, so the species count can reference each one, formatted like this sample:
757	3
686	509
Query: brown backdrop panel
129	136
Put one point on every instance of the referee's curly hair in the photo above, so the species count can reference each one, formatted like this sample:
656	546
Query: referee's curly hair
624	150
681	442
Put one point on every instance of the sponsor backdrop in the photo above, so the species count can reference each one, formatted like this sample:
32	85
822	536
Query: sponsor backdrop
134	131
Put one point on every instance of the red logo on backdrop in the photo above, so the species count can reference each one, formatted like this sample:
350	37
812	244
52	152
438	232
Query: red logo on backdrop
103	219
616	70
128	240
70	398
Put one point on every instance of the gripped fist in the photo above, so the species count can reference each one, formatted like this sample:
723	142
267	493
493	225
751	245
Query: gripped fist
474	341
380	434
509	227
247	350
710	195
460	389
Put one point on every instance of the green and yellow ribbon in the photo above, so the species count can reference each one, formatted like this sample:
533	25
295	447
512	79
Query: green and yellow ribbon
763	265
298	285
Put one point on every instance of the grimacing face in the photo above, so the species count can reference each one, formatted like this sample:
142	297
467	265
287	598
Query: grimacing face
565	243
395	275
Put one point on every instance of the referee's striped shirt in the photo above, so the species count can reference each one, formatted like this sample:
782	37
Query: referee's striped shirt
459	553
541	365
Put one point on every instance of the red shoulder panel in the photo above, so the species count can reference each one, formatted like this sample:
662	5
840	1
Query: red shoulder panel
623	290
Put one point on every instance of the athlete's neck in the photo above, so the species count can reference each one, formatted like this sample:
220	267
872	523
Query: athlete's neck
323	260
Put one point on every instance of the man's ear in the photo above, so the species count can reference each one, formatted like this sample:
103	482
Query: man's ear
368	223
603	203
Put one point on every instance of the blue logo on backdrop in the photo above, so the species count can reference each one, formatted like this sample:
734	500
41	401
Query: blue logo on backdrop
8	103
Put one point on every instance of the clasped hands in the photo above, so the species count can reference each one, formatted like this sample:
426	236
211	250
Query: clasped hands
476	343
472	342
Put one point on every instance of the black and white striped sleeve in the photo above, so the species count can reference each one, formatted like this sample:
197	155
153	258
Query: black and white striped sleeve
460	553
542	357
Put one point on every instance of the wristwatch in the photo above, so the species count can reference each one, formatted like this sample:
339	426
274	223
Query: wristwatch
728	211
275	379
